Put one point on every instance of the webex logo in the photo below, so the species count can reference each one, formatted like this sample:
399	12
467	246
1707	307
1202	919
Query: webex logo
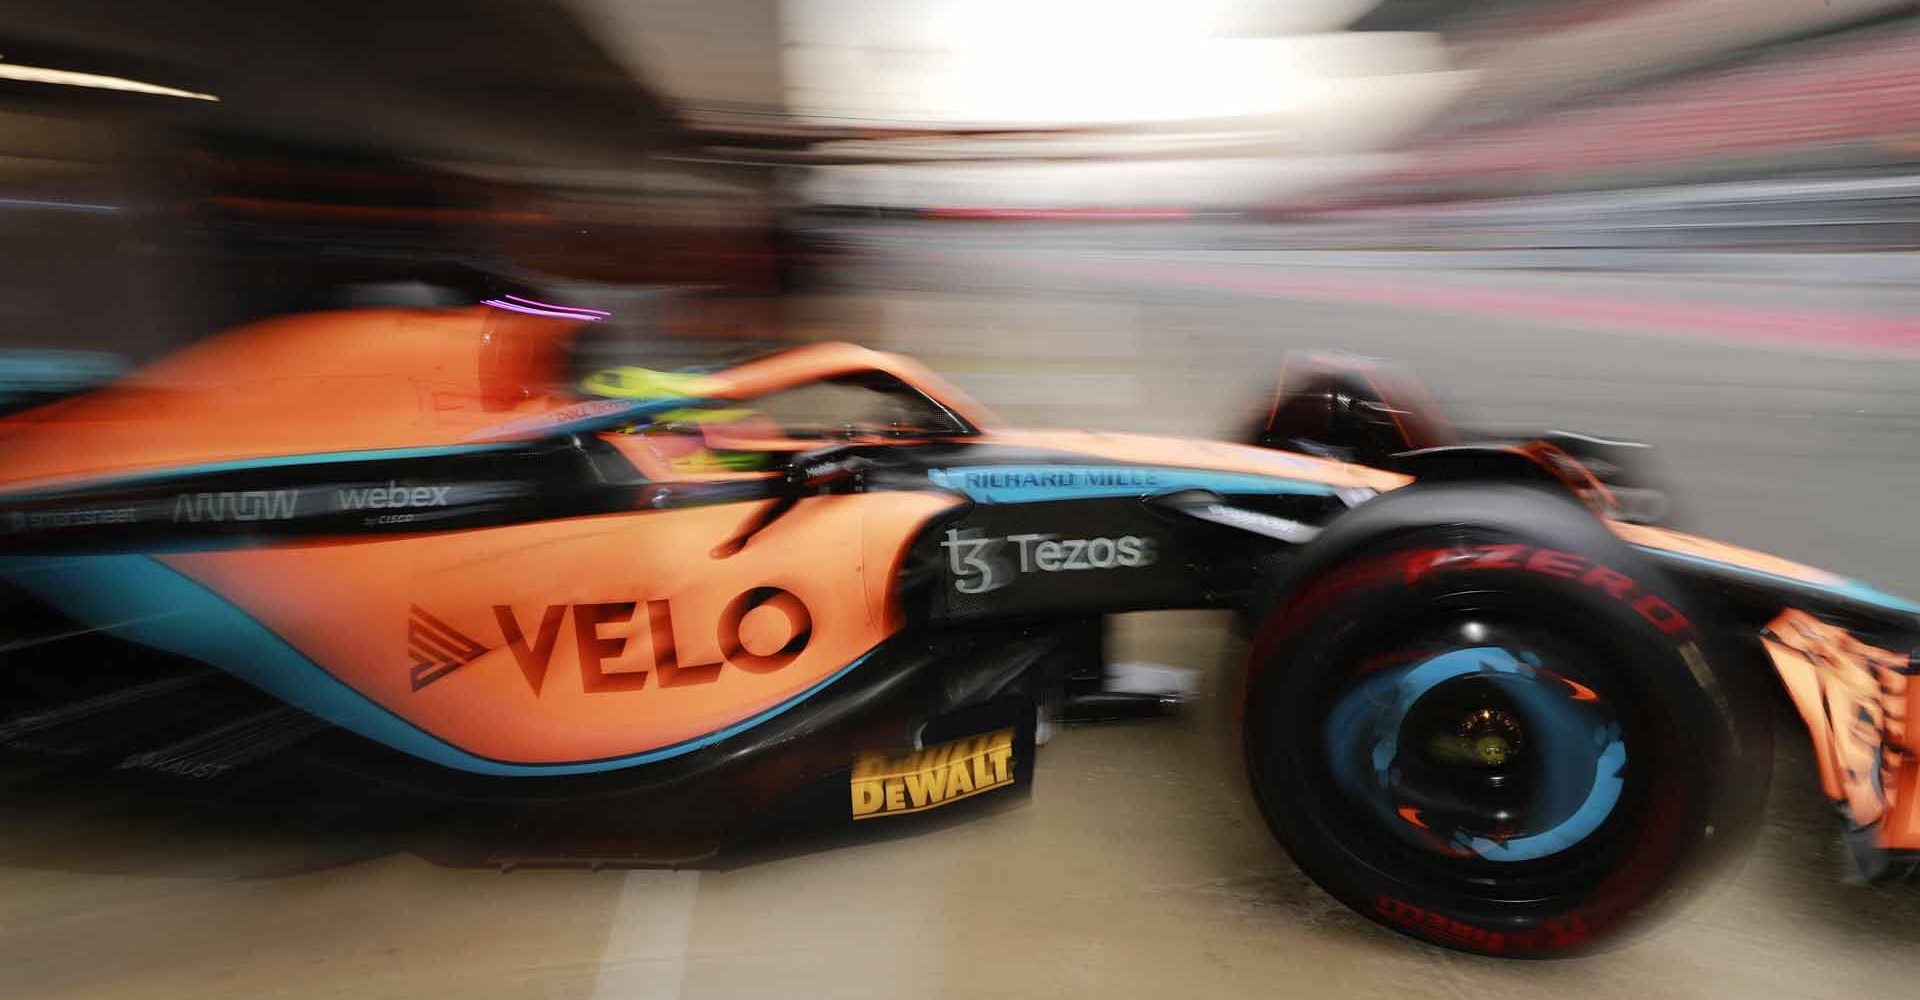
392	496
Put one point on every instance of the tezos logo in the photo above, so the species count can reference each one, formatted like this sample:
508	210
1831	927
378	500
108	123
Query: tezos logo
981	563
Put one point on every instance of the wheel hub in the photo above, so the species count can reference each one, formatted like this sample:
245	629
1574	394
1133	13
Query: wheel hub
1478	751
1491	736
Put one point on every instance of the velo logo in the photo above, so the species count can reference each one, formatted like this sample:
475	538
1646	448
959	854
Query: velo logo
760	631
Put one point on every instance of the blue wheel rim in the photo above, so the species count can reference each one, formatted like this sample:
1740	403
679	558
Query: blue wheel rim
1575	748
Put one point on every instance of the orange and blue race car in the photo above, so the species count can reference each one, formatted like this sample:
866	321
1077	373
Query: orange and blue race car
410	555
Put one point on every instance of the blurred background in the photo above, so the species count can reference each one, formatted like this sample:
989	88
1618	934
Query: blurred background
1690	222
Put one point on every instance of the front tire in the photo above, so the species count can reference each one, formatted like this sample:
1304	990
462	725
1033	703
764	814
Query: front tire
1477	718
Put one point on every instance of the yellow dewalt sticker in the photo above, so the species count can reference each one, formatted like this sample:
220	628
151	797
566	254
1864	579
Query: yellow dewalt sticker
887	785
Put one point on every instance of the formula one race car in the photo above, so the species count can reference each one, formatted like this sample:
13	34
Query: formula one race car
393	551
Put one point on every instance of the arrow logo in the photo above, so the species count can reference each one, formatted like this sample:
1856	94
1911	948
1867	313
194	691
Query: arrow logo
437	648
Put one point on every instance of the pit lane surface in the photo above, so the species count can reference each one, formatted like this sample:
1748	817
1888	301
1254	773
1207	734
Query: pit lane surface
1139	869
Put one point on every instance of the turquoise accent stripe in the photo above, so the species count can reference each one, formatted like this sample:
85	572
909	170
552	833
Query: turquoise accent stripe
268	462
26	373
1036	483
1852	590
156	605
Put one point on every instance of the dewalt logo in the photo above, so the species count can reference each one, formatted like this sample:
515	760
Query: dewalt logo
894	785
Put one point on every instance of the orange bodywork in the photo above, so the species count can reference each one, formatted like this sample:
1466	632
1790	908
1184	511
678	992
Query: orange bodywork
826	360
321	383
1855	698
603	636
1857	701
1669	540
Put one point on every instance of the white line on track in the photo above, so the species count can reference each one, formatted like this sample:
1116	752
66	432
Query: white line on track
646	953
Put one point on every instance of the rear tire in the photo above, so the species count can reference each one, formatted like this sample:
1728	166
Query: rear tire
1476	717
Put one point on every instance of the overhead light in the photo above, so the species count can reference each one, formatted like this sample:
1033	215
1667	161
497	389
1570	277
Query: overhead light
68	78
